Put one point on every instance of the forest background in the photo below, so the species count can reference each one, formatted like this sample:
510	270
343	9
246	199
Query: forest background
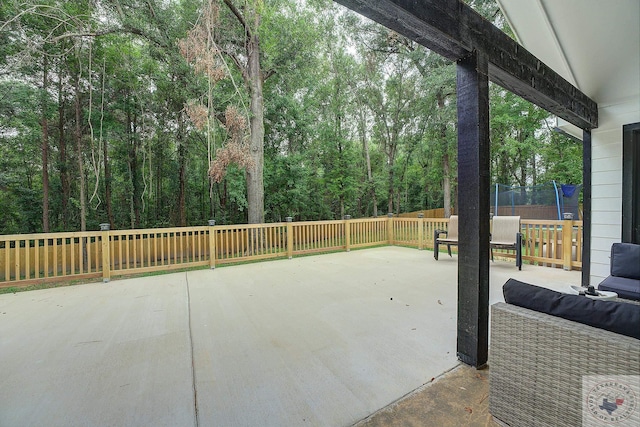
155	113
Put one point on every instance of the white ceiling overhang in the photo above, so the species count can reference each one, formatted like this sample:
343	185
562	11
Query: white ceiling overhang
594	44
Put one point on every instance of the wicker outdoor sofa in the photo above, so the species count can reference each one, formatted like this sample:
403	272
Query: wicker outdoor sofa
537	363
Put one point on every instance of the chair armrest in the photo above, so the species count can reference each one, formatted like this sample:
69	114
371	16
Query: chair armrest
439	232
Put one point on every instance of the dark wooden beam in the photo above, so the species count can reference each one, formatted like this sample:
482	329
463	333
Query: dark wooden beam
454	30
586	207
433	25
473	210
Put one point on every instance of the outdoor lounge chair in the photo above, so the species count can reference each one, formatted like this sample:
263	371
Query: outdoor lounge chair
450	240
541	364
625	271
505	234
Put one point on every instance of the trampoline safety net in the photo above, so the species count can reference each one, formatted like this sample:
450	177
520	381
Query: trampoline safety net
545	201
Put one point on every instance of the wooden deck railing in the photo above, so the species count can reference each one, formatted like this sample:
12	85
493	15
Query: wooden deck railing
553	243
34	258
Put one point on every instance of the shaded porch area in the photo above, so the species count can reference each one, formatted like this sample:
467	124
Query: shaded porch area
323	340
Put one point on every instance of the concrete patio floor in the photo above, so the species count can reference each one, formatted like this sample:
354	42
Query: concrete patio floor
322	340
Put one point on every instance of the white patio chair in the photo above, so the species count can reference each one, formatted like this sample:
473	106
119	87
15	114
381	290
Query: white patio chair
451	238
505	234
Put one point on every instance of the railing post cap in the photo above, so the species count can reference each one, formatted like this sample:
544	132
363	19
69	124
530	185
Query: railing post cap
567	216
212	222
420	215
347	217
289	219
105	226
390	214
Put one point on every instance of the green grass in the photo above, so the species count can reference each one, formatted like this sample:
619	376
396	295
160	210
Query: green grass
51	285
38	286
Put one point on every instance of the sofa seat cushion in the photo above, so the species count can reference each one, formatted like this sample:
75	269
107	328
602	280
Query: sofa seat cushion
625	288
614	316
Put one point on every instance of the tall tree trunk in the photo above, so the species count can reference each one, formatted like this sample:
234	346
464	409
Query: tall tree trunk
254	80
78	138
534	171
45	146
454	205
222	198
159	211
391	145
391	161
62	155
182	180
132	163
390	191
181	219
132	209
365	147
446	184
254	174
137	191
212	200
372	185
446	161
107	183
131	155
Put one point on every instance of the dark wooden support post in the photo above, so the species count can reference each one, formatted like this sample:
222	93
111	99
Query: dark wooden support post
473	210
631	183
586	207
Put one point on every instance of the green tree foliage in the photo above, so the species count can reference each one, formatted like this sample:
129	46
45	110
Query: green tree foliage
19	158
516	137
94	123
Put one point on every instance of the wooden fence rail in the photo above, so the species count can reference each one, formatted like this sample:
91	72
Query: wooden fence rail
35	258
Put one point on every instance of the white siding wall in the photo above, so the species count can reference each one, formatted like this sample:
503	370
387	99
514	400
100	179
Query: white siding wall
607	182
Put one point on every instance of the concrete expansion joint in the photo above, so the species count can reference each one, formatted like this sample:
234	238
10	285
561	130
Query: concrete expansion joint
193	366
